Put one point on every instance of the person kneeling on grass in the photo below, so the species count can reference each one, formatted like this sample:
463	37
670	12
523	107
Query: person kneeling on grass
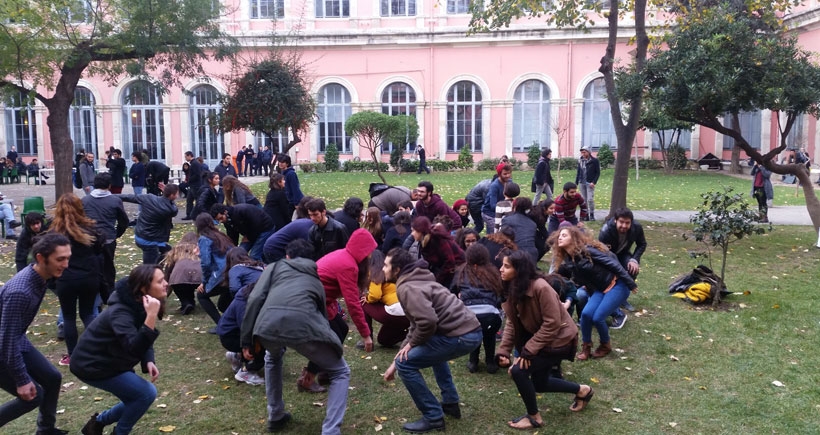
119	338
287	309
441	329
542	332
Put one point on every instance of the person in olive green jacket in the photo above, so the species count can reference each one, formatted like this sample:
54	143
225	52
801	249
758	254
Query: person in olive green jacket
287	309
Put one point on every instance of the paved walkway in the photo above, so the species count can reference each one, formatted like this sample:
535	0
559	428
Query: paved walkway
791	215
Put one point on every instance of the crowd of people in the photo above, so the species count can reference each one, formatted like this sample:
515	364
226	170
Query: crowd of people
414	274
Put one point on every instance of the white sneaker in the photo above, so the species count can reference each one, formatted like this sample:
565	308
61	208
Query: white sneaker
249	378
233	358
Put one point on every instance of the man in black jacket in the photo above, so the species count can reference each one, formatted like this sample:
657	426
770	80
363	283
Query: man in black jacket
154	222
194	184
543	177
619	233
589	169
326	234
112	221
246	220
156	172
116	167
224	168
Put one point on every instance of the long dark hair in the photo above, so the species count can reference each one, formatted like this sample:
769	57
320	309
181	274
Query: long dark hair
525	273
140	278
237	256
205	227
478	271
376	267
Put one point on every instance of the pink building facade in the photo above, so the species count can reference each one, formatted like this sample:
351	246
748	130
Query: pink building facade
494	93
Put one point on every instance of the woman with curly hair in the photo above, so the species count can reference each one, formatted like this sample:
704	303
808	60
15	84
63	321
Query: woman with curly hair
500	244
237	192
183	271
541	330
213	248
373	224
478	284
81	281
587	262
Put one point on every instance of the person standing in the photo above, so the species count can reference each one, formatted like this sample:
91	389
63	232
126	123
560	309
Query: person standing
194	184
265	157
249	156
24	372
276	202
589	169
209	194
441	329
543	177
112	221
137	173
240	157
121	337
224	168
292	188
422	159
116	167
154	223
287	309
762	190
495	193
87	173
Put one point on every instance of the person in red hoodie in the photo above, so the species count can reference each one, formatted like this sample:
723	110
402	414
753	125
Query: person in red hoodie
343	272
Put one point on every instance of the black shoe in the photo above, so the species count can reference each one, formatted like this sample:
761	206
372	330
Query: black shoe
11	237
93	427
187	218
278	425
472	366
15	224
52	431
188	309
423	426
451	409
133	223
492	367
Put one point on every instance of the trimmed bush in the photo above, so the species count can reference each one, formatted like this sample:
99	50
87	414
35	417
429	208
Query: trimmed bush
533	154
332	157
465	159
409	165
676	157
650	164
363	166
491	164
442	165
605	156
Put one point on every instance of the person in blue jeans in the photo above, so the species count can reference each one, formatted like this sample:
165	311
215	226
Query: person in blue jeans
587	262
441	329
118	339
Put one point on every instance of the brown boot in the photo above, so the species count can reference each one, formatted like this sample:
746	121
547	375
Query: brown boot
603	350
584	355
307	382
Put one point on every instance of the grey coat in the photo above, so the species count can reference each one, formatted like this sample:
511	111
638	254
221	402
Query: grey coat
287	307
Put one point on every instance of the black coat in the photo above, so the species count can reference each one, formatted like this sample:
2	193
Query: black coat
208	196
116	167
194	175
155	220
278	208
116	340
595	271
247	220
609	236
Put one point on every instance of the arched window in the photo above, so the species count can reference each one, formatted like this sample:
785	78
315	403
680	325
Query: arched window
464	117
206	140
598	127
21	126
333	110
82	121
750	125
142	120
531	115
399	98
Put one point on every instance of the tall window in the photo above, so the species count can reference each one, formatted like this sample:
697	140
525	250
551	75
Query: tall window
206	140
598	127
458	6
796	137
464	117
334	109
277	143
21	126
142	120
267	8
399	99
671	137
750	124
398	8
332	8
531	115
82	121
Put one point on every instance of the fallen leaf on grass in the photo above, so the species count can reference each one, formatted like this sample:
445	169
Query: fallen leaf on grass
775	306
673	424
595	380
168	428
162	405
618	410
68	384
674	358
97	399
204	397
378	428
61	411
84	387
778	384
319	404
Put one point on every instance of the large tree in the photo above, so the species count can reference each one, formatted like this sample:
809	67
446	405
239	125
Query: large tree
373	129
724	63
576	13
46	46
271	97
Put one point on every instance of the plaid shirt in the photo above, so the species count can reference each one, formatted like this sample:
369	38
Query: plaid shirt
20	301
565	208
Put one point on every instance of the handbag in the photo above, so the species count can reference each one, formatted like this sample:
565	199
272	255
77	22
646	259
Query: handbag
532	186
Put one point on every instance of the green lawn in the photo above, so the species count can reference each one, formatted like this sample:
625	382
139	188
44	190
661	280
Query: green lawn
676	369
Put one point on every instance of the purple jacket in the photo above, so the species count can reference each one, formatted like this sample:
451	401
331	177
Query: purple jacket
438	207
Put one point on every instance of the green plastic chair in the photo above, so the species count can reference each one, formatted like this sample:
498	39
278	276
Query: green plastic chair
33	204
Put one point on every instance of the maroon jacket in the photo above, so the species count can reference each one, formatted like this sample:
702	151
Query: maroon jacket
438	207
443	254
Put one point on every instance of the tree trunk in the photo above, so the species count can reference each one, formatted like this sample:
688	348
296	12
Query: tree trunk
62	146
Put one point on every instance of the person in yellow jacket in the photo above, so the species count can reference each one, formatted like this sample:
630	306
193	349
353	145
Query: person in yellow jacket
381	303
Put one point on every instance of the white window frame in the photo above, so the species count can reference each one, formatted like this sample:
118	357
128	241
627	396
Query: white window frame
457	116
527	131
